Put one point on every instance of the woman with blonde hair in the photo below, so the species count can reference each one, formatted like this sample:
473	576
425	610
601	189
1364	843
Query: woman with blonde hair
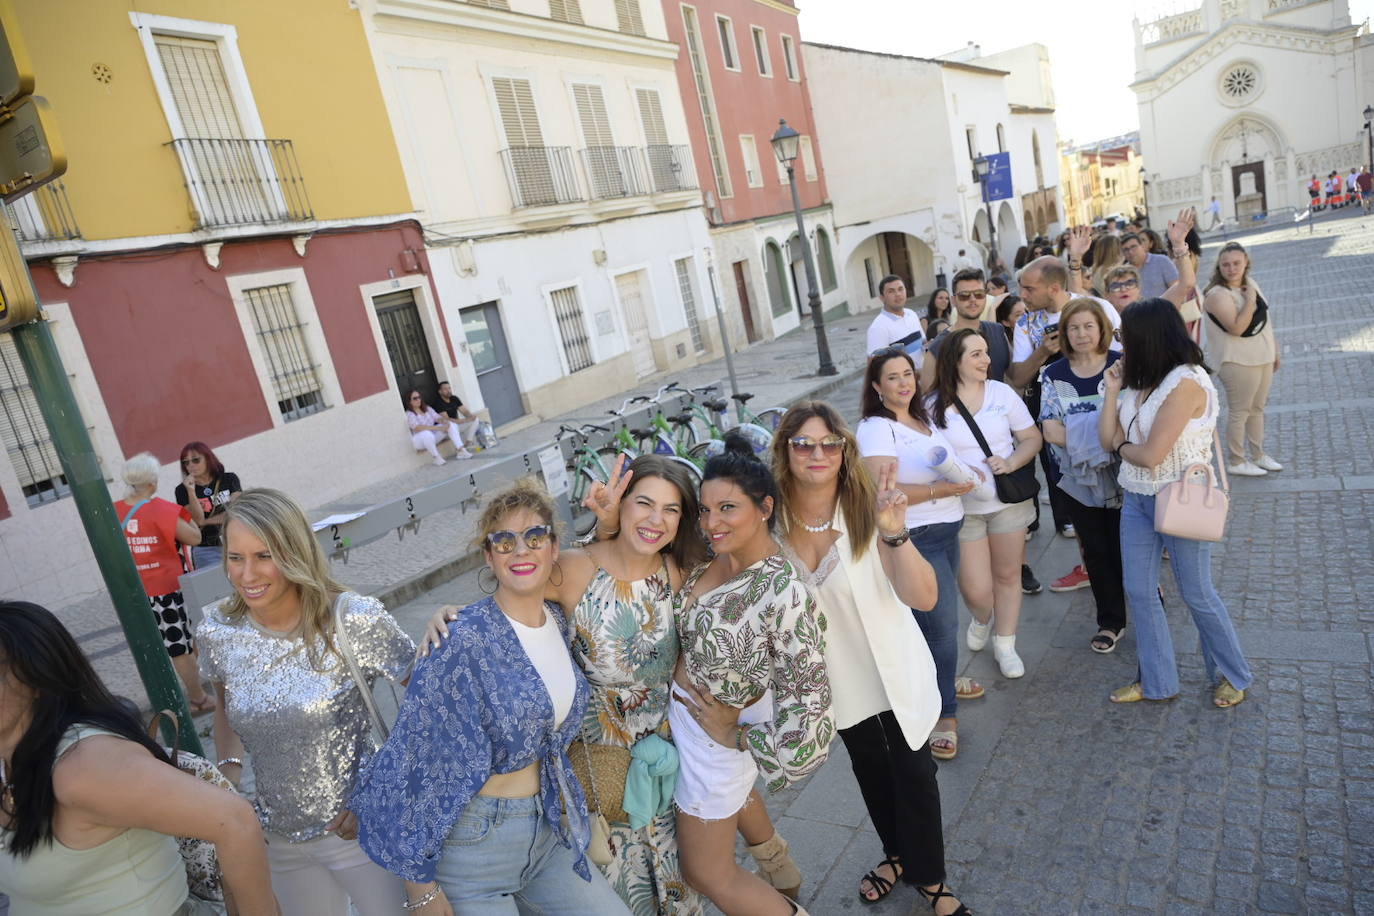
156	529
845	533
1106	255
275	654
1241	346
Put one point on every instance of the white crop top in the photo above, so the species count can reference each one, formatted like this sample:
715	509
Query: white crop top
1194	445
550	656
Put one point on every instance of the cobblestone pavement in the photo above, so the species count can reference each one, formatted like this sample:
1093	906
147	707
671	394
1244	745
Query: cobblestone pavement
1060	802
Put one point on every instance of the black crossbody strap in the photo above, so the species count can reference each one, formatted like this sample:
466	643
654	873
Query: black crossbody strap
973	427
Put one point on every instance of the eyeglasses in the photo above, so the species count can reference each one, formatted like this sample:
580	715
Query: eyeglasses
1119	285
968	294
193	459
504	541
805	445
417	398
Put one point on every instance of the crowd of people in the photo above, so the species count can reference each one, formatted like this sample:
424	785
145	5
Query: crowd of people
589	735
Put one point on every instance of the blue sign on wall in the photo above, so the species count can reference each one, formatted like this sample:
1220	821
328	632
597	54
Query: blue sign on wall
999	176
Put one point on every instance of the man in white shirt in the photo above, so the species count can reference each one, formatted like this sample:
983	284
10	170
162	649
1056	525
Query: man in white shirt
896	325
1214	211
962	262
1044	288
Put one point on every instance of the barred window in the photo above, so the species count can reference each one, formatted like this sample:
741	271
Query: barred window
689	301
294	377
25	434
825	260
572	328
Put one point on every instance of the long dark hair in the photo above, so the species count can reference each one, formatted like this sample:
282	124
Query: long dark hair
947	373
688	548
212	463
423	402
871	403
1155	342
739	465
932	310
38	652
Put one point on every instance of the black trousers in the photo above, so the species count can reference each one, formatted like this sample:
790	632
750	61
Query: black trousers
1059	500
1099	535
901	794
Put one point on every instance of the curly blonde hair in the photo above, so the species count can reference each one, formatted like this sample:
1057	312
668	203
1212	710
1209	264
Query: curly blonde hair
523	495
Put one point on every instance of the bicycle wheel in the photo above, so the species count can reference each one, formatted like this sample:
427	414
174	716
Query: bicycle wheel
690	466
584	520
684	436
769	418
706	450
760	439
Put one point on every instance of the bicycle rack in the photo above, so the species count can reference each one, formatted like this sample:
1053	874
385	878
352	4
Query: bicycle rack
340	533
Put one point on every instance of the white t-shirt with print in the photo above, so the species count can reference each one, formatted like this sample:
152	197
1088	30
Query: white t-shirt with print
881	437
887	328
1002	412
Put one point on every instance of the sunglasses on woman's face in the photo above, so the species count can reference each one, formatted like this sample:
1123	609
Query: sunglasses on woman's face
1119	285
805	445
192	459
504	541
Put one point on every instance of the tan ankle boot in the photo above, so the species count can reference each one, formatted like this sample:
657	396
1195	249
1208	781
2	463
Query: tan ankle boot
776	866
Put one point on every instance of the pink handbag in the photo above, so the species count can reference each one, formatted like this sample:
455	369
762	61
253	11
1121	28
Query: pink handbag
1194	510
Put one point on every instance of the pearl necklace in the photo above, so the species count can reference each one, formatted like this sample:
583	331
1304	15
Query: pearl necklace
817	529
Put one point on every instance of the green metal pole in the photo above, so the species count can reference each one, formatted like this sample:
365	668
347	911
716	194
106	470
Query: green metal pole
51	389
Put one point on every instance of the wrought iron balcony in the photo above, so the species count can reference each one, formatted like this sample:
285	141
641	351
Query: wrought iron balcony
670	167
44	215
539	176
614	171
235	182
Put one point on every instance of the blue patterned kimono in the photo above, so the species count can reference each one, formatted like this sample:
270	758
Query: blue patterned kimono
474	707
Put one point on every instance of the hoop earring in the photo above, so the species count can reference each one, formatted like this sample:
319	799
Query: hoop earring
482	585
558	569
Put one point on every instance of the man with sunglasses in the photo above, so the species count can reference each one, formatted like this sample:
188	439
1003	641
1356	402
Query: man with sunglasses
896	325
970	300
1157	272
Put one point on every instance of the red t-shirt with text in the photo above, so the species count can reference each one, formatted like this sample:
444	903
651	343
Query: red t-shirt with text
152	537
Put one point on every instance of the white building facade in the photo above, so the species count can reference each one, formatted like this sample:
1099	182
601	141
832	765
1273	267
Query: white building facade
546	151
1246	100
905	199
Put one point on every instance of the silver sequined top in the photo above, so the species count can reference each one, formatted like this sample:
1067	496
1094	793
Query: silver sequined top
306	730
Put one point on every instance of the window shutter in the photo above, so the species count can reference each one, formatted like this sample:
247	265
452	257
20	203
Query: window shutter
493	4
566	10
651	116
591	112
628	15
23	432
515	101
200	89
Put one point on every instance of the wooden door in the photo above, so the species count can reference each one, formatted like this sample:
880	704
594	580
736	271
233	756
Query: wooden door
629	290
406	345
898	258
745	307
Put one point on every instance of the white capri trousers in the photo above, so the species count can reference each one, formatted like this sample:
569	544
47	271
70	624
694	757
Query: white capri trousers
428	439
321	876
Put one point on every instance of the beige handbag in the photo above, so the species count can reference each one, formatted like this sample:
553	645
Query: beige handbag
605	765
1195	510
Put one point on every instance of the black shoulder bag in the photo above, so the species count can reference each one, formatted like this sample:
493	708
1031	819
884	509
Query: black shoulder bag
1016	487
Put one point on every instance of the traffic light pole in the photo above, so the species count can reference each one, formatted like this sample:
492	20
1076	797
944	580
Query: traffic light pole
53	392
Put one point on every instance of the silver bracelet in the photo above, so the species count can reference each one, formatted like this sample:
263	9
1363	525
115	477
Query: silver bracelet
409	905
228	760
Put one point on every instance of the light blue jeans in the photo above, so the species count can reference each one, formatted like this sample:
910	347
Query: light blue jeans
939	544
1191	561
502	857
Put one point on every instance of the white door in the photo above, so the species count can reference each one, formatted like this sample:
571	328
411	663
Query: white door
629	289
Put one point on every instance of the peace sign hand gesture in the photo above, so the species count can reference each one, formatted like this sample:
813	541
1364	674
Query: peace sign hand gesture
891	502
604	498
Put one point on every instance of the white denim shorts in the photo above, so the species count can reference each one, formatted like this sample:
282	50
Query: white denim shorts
713	780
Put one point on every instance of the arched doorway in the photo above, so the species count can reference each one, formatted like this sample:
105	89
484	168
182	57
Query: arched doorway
801	290
1008	235
884	253
1243	156
776	276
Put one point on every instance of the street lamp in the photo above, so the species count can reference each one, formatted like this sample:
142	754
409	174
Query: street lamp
981	167
786	144
1368	129
1145	197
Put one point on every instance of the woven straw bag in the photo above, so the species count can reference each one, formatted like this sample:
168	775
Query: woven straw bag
602	769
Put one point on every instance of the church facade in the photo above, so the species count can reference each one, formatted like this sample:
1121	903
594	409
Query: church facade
1247	100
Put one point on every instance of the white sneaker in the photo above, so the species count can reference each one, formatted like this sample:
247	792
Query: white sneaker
463	453
978	634
1004	650
439	461
1246	469
1269	464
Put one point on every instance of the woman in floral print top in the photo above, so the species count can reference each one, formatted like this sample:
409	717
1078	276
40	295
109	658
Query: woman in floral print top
752	644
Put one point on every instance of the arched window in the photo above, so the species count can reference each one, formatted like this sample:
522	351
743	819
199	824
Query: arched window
774	272
1001	139
1035	154
825	260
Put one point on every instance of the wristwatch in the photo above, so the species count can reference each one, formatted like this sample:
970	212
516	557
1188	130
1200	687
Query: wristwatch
895	540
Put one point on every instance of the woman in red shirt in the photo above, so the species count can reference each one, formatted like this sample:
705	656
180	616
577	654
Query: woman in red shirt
154	528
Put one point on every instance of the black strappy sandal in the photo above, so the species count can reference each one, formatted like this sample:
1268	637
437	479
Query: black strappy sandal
878	882
943	891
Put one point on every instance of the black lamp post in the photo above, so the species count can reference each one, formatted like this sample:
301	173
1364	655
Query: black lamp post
1145	197
786	144
981	167
1369	130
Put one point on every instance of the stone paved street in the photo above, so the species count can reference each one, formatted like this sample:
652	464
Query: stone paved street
1062	803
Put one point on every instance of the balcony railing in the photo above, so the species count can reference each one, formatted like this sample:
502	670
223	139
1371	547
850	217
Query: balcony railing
614	171
44	215
241	182
670	167
540	175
